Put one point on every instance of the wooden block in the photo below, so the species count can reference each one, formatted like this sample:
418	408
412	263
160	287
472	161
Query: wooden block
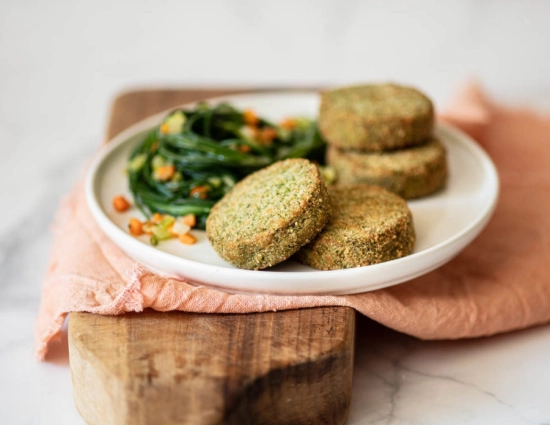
289	367
292	367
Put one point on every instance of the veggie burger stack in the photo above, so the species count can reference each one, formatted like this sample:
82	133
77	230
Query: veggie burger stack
380	142
382	134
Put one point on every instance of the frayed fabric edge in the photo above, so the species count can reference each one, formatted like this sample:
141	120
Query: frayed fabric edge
129	300
52	333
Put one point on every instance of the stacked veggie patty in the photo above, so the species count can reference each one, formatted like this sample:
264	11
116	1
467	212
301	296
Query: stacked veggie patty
383	135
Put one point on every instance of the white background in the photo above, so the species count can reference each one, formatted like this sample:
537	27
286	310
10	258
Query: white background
62	62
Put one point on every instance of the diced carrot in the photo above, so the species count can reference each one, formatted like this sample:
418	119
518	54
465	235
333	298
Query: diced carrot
135	226
187	239
120	203
288	123
244	148
267	134
250	117
165	172
199	192
157	217
190	220
164	128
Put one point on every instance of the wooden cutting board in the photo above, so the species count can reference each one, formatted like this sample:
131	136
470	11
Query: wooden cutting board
290	367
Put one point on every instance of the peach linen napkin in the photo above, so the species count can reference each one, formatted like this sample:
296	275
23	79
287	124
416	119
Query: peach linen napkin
498	283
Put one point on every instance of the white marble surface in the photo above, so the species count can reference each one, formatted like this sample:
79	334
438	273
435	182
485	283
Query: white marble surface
62	62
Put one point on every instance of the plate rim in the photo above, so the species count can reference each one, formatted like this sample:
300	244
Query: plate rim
456	242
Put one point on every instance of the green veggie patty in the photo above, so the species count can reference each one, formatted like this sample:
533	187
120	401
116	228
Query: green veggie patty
375	117
411	172
269	214
369	225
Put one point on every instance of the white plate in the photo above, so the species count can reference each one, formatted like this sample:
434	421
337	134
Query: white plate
445	222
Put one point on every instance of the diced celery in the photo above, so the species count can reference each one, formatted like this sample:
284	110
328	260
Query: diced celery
161	229
175	122
283	134
329	174
302	122
158	161
137	163
228	181
166	221
247	133
215	181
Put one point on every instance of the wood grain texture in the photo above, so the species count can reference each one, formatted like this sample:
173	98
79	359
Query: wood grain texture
133	106
293	367
290	367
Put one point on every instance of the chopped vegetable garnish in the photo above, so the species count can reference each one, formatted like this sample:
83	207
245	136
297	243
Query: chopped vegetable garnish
199	192
288	123
248	133
180	228
329	174
267	135
165	172
174	123
157	217
161	230
120	203
187	239
137	163
250	117
136	227
158	161
190	220
164	226
195	156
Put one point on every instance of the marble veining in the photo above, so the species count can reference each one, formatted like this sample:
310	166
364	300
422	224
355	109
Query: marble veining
405	380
